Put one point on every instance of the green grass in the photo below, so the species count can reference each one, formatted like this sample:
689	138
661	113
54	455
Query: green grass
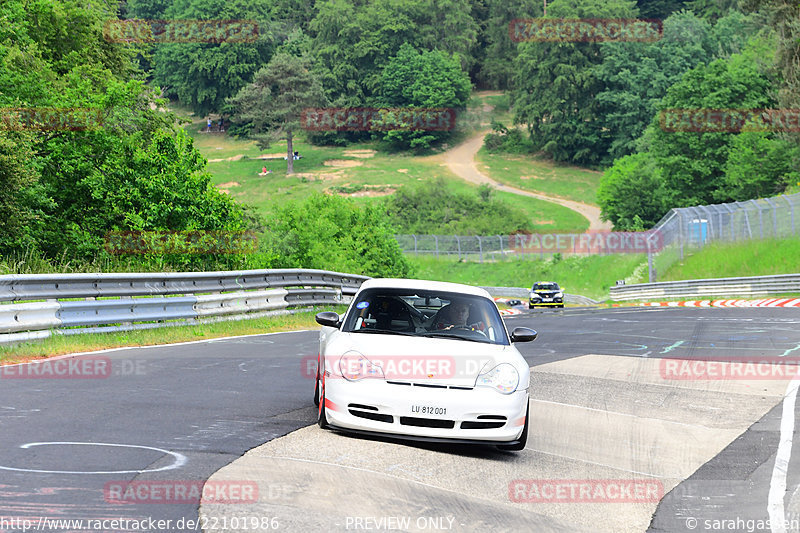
65	344
724	260
588	276
540	175
383	172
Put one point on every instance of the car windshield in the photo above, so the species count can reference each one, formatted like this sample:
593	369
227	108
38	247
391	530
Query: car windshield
423	313
545	287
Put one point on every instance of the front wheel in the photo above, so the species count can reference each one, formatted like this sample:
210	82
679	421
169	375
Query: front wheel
322	419
316	387
523	439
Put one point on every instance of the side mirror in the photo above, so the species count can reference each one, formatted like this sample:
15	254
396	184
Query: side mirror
328	318
523	335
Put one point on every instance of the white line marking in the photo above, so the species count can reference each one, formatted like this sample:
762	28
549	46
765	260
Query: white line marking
777	485
179	461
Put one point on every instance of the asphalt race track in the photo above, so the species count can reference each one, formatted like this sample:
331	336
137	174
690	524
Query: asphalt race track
605	411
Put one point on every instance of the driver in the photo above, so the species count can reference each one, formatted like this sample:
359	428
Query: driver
455	316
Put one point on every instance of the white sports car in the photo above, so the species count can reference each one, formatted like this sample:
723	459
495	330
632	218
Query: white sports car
423	360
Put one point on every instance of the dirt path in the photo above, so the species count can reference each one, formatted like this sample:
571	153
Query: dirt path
461	160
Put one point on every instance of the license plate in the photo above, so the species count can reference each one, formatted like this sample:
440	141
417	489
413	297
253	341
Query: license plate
428	410
547	299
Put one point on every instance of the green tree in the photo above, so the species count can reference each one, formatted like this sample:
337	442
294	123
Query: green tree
784	17
556	85
128	167
693	162
203	75
632	194
146	9
658	9
17	178
335	233
273	103
425	80
758	165
353	41
635	76
499	51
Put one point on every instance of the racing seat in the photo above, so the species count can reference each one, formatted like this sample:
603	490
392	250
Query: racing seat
393	316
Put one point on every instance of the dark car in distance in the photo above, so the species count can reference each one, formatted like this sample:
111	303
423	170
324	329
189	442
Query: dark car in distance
547	294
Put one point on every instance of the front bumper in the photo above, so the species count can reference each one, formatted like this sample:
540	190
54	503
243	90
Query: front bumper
545	301
379	407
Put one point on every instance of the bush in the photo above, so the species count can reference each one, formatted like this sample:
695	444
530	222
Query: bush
507	140
434	208
335	233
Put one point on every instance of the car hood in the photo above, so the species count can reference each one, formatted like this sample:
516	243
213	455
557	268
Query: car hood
434	361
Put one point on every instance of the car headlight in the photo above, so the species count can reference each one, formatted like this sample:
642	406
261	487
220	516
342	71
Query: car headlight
353	366
559	295
503	378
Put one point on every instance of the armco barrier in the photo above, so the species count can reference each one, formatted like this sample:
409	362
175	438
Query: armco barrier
78	303
53	286
701	288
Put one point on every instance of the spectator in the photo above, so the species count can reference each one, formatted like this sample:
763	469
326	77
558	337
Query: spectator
208	125
221	124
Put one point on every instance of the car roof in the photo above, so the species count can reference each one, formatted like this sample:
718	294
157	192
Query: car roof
398	283
545	283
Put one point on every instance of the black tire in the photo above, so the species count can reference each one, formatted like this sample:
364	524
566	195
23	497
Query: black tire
523	439
531	306
316	389
561	306
322	419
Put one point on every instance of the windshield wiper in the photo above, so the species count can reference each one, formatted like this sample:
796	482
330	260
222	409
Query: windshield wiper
451	336
389	331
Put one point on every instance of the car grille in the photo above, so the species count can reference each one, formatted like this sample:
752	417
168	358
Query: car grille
427	422
357	409
429	385
485	422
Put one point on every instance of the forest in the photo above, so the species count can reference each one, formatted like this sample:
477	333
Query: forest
599	105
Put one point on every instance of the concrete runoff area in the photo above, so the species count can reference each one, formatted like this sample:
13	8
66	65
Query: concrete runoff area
593	417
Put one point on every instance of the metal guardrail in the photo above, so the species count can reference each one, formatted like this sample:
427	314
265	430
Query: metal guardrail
119	302
697	288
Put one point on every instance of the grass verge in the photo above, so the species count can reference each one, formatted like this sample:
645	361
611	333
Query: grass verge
727	260
585	275
66	344
540	175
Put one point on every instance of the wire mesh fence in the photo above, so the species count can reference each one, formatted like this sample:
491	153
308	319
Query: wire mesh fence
691	228
680	230
540	245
